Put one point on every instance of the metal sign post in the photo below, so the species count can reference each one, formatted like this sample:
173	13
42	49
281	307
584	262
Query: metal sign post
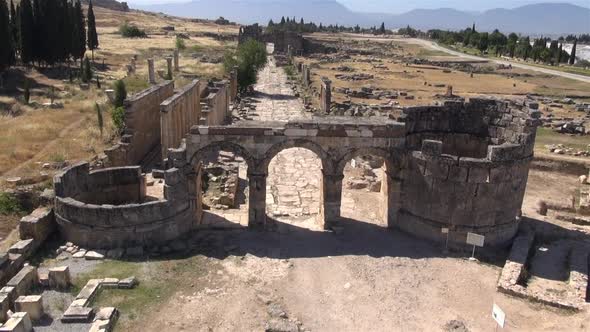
446	231
475	240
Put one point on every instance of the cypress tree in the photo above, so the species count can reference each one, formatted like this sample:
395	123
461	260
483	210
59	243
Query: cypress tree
26	38
13	25
86	70
573	54
79	44
92	35
559	54
7	49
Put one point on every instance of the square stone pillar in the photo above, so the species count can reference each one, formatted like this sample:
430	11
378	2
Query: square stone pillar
331	197
176	61
151	72
234	84
257	201
391	188
32	304
326	95
169	67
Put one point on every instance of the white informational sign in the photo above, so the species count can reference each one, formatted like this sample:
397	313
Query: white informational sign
445	230
498	315
475	239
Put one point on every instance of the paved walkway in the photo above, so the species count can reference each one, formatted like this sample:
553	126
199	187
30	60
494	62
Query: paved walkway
294	180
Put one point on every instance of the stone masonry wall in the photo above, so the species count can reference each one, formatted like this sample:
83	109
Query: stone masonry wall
178	114
481	195
142	126
217	100
109	226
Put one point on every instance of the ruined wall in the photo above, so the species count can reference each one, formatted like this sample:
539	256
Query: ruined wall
106	226
456	186
142	126
178	114
217	100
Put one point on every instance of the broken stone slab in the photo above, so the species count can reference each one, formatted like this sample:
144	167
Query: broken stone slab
24	280
80	253
110	283
38	225
107	313
281	325
10	292
59	277
31	304
128	283
90	289
23	247
77	314
93	255
18	322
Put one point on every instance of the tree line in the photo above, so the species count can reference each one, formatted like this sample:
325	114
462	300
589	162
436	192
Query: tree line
45	32
294	25
499	44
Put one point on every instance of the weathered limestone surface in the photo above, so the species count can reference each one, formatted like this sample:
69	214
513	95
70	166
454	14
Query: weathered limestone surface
102	225
461	166
59	277
142	126
31	304
217	99
38	225
177	114
24	280
19	322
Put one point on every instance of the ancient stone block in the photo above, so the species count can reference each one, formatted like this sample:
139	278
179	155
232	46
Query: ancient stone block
4	307
431	148
24	280
19	322
59	277
31	304
38	225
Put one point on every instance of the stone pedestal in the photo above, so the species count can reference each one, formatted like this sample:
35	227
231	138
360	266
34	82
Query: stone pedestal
176	64
151	72
59	277
133	64
332	199
257	202
32	304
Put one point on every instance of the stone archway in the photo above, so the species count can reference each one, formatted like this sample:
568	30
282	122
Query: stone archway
325	168
390	182
196	175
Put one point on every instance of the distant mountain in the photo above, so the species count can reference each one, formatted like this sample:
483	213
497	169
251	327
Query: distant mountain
546	18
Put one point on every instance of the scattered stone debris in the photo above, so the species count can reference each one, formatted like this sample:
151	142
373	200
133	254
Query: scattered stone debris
355	77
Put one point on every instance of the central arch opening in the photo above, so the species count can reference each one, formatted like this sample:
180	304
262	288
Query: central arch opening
293	188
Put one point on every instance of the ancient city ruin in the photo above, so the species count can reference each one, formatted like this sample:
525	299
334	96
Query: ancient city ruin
327	157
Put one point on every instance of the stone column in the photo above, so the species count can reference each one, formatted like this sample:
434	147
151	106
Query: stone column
326	95
151	73
176	64
449	91
306	76
257	201
169	64
331	199
133	64
234	83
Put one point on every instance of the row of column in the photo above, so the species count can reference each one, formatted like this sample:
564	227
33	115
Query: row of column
169	62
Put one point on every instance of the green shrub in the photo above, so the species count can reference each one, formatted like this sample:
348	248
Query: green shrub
120	93
250	58
118	116
180	45
131	31
9	204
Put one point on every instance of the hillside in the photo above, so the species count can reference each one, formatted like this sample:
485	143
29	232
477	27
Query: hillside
531	19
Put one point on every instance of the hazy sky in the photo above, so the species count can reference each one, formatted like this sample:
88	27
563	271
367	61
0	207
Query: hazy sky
400	6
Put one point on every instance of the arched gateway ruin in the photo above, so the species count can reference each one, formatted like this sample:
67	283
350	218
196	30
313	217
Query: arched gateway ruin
461	166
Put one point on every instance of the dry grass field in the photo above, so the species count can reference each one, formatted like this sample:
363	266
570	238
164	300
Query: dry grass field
31	136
